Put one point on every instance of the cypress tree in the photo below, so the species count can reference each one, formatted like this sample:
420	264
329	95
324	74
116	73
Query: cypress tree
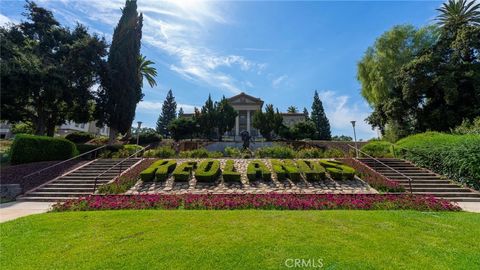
207	118
121	86
320	119
180	112
168	114
305	112
226	115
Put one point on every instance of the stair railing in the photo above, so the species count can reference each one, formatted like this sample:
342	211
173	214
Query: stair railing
119	165
95	151
375	160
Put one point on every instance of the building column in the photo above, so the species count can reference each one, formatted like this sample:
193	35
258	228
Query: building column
248	121
237	126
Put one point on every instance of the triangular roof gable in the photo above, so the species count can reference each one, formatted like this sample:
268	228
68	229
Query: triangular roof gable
244	98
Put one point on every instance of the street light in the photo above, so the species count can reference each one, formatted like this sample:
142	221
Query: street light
355	138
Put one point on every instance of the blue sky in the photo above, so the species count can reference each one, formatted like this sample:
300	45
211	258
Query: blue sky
278	51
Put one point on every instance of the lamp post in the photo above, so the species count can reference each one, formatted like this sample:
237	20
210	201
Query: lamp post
355	138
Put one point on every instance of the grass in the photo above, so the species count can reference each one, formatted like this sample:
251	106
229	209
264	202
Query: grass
154	239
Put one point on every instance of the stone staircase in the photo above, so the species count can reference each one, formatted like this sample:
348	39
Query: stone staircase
79	182
423	181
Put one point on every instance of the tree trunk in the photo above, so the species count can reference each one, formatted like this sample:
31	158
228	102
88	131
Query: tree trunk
51	130
112	136
40	126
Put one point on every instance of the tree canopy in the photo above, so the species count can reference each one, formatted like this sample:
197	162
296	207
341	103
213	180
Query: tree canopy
319	118
48	71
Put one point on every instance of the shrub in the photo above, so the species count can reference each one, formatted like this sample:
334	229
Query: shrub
79	137
208	171
146	137
379	149
456	156
333	153
286	168
200	153
310	153
160	152
165	169
148	174
337	170
311	170
468	127
183	172
256	169
275	152
232	152
83	148
230	173
30	148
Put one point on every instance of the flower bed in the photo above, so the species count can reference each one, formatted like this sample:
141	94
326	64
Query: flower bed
270	201
373	178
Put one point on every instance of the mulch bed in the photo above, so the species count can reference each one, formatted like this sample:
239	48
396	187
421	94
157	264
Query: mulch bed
13	174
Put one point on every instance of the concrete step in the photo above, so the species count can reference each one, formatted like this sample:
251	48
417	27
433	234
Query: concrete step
439	189
423	181
461	199
431	185
44	199
450	194
66	189
57	194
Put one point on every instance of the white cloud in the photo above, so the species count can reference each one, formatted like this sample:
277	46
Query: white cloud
177	28
5	20
340	111
277	81
154	107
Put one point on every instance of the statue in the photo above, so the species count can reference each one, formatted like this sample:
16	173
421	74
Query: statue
246	138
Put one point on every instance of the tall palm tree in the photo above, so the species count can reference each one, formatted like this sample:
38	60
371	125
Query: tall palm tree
459	12
147	71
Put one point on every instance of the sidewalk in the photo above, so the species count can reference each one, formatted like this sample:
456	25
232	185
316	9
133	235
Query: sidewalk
470	206
13	210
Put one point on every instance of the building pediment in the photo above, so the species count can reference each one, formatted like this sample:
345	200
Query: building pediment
245	99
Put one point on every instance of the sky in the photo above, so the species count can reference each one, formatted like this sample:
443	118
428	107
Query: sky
278	51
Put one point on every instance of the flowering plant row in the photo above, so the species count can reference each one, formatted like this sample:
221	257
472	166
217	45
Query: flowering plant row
373	178
269	201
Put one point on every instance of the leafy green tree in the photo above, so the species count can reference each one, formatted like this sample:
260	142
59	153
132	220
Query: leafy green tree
182	128
304	130
320	119
48	71
147	71
23	128
292	109
459	12
266	122
342	138
168	114
121	85
226	115
207	118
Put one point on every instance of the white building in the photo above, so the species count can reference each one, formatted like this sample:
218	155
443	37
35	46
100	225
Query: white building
89	127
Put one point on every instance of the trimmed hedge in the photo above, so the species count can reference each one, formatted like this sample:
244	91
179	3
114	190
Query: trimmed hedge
164	170
257	169
230	173
83	148
31	148
208	171
285	169
148	174
79	137
184	171
337	170
455	156
378	149
311	170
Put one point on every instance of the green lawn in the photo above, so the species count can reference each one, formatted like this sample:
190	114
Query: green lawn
242	239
